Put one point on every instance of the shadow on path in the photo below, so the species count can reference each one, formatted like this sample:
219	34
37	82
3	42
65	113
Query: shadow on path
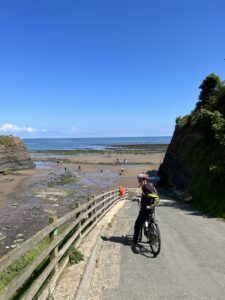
116	239
141	248
186	208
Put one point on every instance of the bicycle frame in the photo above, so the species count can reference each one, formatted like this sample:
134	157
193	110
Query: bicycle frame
149	221
151	232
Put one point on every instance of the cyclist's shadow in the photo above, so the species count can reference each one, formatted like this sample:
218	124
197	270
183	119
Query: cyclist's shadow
142	248
116	239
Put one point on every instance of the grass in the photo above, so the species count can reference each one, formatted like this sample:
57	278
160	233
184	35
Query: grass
75	256
19	265
109	225
5	140
13	270
63	179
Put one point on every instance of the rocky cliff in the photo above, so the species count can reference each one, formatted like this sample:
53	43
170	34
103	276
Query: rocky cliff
173	171
177	168
194	164
13	154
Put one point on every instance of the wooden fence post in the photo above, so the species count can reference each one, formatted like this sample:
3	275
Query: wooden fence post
95	210
89	206
52	236
112	194
115	194
103	204
77	205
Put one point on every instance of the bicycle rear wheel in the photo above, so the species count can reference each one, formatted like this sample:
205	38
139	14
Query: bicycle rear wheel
154	239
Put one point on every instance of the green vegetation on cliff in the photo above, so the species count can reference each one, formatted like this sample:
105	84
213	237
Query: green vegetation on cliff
5	140
199	145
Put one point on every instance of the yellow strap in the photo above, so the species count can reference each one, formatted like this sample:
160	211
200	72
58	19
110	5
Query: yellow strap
156	201
152	195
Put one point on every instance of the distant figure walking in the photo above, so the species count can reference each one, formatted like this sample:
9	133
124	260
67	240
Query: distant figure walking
65	169
61	162
101	171
57	163
79	168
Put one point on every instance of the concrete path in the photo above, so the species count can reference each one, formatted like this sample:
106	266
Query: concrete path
191	264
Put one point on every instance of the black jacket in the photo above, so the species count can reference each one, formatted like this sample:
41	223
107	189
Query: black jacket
149	196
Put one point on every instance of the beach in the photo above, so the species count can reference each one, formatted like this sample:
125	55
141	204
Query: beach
30	197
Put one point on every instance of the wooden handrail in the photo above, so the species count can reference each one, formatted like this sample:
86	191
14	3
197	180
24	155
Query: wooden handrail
89	213
16	253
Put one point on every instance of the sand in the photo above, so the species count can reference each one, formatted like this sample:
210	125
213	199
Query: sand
26	201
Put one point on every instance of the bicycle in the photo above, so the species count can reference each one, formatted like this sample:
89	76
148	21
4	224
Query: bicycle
151	232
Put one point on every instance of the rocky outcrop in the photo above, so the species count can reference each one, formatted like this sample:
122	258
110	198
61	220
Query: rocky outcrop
176	169
194	165
13	154
173	172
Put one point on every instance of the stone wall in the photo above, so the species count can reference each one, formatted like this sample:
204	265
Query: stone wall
13	154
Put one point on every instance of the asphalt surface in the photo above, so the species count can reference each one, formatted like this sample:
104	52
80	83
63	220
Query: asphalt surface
191	264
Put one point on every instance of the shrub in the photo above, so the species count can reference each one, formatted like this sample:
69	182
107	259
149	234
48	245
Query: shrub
75	256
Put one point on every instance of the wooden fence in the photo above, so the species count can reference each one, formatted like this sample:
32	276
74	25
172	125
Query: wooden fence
61	234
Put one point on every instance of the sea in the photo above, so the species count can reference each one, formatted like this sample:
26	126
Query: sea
90	143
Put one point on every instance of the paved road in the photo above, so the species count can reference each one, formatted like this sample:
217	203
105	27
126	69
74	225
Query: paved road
191	264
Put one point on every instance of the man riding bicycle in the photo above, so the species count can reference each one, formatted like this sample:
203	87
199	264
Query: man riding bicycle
149	199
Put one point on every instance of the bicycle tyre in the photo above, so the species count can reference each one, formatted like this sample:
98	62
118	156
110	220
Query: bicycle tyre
154	239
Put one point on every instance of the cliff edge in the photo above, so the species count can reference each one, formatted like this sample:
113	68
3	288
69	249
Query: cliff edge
13	154
194	164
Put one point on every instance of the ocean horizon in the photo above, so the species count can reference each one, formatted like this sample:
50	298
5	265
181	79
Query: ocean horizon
36	144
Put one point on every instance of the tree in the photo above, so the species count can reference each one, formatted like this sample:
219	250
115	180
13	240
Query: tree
209	89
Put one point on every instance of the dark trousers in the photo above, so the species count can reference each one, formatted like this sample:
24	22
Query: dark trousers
143	215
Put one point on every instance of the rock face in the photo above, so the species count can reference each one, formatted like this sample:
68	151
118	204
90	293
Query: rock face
194	164
13	154
173	172
178	165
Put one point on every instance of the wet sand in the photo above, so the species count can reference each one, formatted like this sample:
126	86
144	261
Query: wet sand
27	199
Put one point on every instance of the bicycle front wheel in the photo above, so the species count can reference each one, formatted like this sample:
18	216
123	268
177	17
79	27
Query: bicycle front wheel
154	239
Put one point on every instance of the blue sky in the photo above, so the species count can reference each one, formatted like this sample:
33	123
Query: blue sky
89	68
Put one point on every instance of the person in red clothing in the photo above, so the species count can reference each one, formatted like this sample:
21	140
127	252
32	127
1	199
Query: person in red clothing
122	191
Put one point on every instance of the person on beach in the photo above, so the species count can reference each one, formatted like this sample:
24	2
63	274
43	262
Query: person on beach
149	198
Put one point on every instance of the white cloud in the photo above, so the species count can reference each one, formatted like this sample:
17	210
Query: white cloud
11	128
78	130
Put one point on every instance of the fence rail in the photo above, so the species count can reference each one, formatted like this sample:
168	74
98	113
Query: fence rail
62	233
